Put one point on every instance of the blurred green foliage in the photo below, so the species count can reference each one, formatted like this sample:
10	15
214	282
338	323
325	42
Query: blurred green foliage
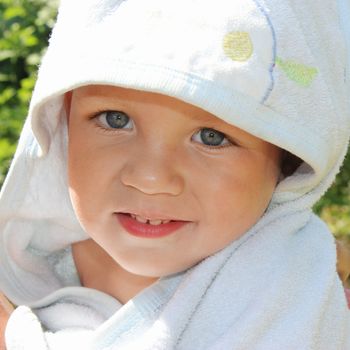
25	26
334	207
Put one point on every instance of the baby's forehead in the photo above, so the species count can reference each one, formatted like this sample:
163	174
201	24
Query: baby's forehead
115	95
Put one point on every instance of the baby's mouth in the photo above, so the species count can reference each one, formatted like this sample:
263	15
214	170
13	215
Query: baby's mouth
154	222
144	227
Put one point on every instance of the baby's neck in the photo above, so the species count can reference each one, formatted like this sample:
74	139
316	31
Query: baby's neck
99	271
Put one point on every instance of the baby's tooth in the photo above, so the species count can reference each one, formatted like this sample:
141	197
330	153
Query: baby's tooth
140	219
151	222
155	222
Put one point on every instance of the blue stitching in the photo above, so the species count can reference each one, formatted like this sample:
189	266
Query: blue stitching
274	50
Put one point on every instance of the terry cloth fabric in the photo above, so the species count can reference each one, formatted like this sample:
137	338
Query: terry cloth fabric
275	68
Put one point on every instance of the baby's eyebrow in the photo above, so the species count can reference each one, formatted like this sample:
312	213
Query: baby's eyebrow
98	99
205	118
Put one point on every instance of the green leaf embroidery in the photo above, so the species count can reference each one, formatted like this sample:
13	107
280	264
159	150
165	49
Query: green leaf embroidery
300	73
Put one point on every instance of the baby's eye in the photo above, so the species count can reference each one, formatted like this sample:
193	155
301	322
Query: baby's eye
114	120
211	137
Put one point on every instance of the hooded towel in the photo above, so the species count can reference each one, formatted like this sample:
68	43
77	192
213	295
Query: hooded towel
277	69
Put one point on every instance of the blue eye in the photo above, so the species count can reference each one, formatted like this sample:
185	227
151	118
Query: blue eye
115	120
211	137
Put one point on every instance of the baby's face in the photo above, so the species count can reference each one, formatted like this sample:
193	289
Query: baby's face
160	184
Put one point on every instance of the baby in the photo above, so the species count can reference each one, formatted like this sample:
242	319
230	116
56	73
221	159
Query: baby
161	193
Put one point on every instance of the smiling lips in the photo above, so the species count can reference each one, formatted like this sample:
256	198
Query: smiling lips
142	227
148	221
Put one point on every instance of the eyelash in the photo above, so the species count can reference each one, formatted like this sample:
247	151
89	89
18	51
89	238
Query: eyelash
111	130
228	141
98	123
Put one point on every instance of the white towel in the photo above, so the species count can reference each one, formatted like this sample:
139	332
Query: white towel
275	68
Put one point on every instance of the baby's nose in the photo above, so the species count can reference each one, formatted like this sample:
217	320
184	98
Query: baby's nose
153	174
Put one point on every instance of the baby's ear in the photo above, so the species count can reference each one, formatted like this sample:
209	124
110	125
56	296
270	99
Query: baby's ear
67	103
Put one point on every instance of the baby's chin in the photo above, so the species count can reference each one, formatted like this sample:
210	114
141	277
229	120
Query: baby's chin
159	270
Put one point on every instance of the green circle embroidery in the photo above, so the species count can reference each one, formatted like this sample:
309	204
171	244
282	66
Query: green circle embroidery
238	46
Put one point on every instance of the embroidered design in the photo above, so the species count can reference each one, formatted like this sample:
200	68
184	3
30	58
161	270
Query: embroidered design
300	73
238	46
274	52
250	25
